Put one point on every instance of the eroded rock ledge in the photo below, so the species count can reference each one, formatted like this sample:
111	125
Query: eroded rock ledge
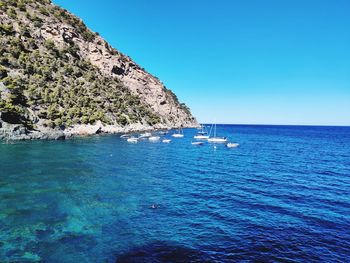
15	132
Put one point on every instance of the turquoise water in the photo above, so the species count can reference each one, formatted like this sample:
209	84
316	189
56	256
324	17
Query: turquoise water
283	195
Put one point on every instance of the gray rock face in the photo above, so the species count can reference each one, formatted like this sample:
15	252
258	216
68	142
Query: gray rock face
57	32
16	132
114	64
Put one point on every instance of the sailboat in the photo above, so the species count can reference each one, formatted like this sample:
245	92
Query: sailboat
179	134
202	134
216	139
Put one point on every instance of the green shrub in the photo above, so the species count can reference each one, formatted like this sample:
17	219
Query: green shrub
49	44
11	113
43	11
6	29
122	119
85	120
88	35
37	21
3	72
12	13
24	31
21	6
58	122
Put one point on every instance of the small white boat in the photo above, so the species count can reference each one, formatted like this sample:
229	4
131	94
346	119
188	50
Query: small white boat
124	136
197	143
132	140
179	134
166	141
145	135
154	138
232	145
162	132
218	139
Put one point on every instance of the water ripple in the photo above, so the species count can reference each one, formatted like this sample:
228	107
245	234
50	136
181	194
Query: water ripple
282	196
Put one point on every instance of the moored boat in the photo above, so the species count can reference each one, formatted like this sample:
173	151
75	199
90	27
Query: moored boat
202	134
216	139
162	132
145	135
132	140
154	138
232	145
179	134
166	140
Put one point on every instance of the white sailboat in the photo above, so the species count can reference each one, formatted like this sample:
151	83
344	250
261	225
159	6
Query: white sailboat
216	139
201	135
179	134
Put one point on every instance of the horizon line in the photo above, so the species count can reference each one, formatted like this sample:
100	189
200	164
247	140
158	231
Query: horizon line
265	124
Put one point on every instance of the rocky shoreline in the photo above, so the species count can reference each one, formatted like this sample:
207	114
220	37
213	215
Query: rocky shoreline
17	132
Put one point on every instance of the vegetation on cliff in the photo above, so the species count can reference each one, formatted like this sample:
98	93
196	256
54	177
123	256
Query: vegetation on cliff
53	84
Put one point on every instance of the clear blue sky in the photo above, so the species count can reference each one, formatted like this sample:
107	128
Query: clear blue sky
237	61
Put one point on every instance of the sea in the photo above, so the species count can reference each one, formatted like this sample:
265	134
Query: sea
283	195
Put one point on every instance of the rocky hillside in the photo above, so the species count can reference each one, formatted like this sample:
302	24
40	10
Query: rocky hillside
59	78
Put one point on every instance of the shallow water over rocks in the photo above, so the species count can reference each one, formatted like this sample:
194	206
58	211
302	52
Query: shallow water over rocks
282	195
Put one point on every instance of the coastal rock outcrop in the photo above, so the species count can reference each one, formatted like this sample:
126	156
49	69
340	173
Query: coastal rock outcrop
58	77
12	132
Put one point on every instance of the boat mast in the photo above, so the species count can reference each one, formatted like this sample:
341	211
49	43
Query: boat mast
211	128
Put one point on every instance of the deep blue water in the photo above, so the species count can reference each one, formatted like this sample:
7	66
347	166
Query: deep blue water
283	195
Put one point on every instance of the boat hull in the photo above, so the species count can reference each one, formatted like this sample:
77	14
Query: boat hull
154	138
145	135
232	145
217	140
176	135
201	137
132	140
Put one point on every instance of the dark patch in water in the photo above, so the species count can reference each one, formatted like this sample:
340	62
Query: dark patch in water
162	252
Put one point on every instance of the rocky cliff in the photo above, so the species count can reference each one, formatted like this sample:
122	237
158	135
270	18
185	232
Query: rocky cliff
59	78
